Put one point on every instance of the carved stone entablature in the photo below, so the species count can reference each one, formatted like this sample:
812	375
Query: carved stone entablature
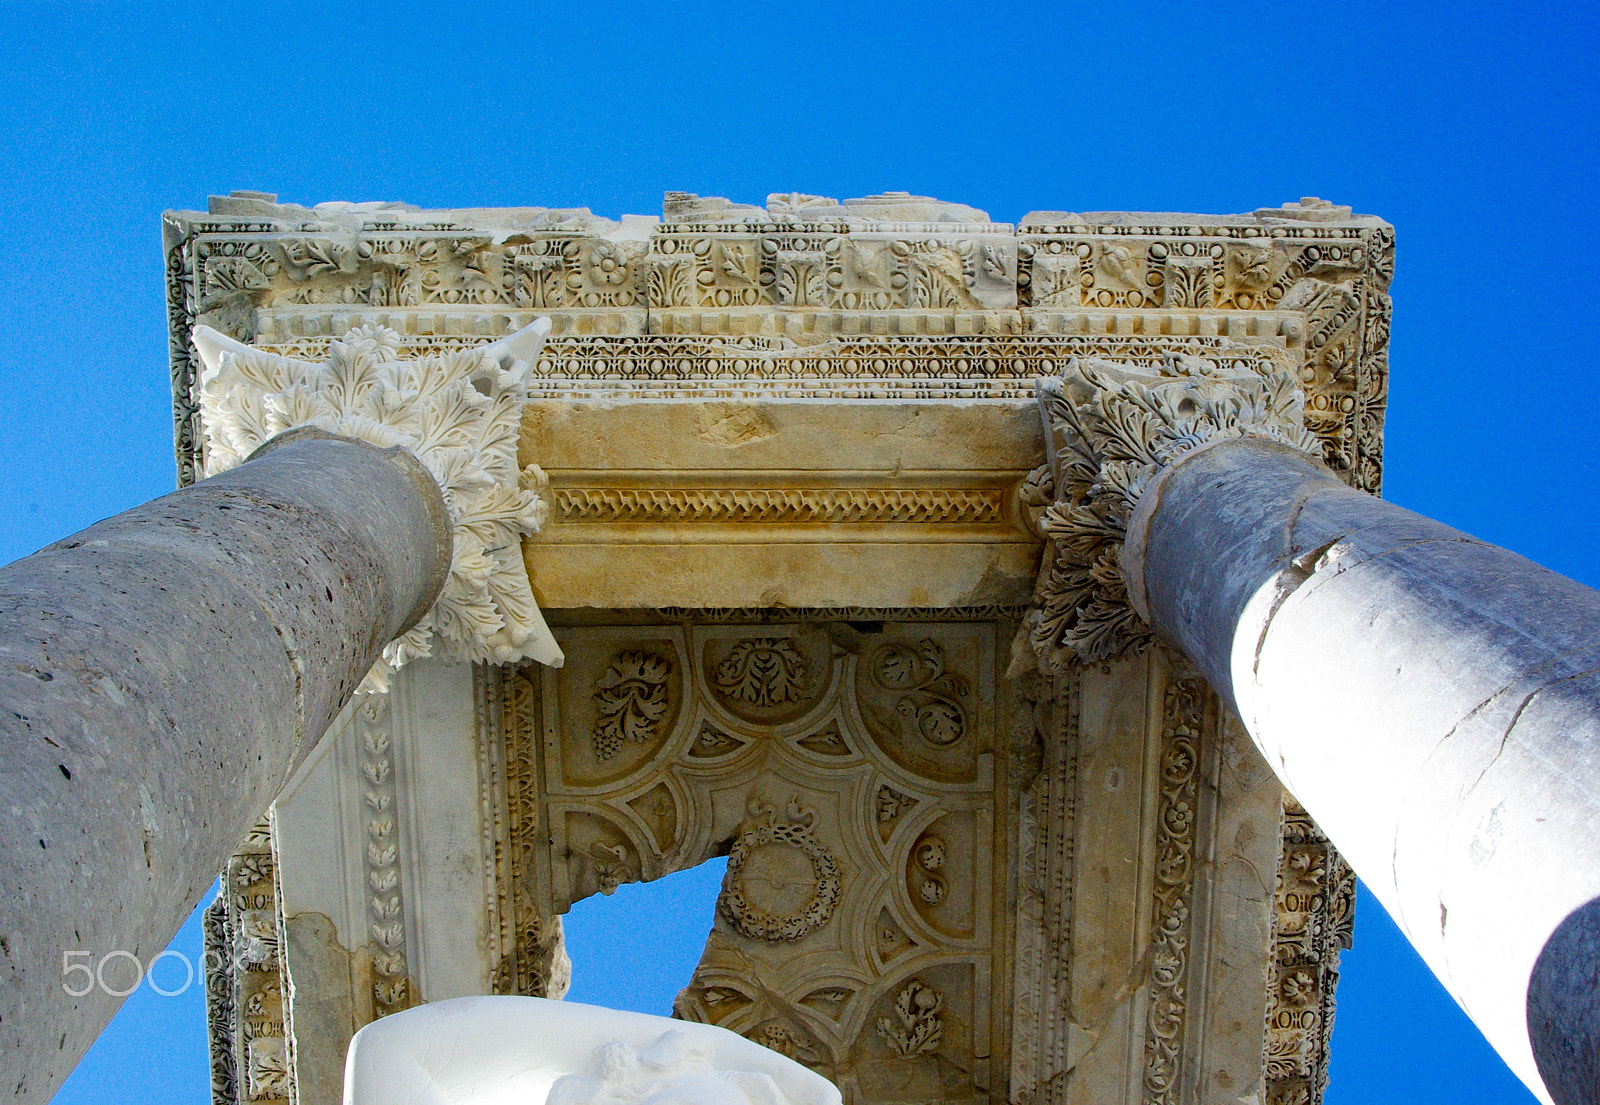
460	414
1108	431
886	253
1322	272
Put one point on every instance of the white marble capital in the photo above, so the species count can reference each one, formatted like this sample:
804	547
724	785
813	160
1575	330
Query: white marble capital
459	413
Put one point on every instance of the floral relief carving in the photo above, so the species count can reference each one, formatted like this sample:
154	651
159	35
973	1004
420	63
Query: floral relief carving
1313	916
459	414
917	1028
1182	726
762	671
1111	431
631	700
931	703
782	881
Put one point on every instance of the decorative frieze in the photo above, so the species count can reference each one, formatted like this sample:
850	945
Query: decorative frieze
779	505
1324	271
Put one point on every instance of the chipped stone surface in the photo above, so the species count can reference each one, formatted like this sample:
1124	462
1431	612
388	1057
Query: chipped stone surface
1432	700
163	672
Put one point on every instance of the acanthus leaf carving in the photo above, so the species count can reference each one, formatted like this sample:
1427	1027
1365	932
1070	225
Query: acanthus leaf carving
459	414
631	700
762	671
920	1030
1110	430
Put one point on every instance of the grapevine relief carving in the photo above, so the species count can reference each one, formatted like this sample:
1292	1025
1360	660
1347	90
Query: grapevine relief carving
631	698
930	705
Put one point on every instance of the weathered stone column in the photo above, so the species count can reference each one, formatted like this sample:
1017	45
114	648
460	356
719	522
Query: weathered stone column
1432	700
162	673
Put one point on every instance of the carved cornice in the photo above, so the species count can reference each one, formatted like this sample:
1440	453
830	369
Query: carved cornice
1108	432
739	294
459	413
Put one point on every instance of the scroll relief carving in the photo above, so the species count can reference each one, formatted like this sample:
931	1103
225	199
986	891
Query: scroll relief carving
849	775
1109	431
1182	726
459	414
1314	922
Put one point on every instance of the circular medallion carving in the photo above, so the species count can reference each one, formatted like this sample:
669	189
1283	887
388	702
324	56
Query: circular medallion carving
782	881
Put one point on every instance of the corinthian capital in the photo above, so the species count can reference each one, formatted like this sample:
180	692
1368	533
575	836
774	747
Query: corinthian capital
460	414
1110	429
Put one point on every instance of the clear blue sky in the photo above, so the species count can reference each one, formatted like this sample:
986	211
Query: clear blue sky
1471	127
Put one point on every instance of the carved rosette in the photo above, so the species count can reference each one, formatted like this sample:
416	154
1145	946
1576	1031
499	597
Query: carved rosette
1109	430
459	413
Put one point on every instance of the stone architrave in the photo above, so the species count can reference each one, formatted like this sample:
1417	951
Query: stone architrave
1431	699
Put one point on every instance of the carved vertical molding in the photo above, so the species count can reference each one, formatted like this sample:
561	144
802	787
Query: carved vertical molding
1045	834
532	958
1315	919
221	1018
386	928
250	1063
1183	725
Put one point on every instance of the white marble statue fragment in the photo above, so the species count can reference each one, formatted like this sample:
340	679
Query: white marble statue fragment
459	412
530	1051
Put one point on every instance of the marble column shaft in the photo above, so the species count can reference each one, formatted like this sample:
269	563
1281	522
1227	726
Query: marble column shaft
161	674
1432	700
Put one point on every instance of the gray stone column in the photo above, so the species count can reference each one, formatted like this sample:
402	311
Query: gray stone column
161	674
1432	700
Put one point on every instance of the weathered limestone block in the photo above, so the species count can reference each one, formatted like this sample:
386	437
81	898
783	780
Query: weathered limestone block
162	673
